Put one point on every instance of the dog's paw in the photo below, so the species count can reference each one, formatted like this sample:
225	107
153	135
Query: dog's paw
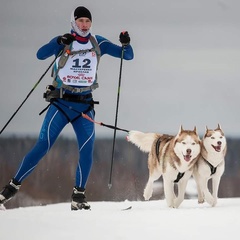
172	205
177	202
201	200
147	194
214	202
210	200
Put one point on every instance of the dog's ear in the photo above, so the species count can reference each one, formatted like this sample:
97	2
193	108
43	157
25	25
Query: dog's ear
218	127
195	129
206	129
180	129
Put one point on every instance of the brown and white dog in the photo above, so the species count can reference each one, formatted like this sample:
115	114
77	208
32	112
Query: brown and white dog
173	157
210	165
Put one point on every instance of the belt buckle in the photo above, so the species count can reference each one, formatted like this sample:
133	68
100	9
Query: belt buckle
75	90
80	90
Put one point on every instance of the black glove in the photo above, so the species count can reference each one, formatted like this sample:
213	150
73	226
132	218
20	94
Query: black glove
66	39
124	38
50	88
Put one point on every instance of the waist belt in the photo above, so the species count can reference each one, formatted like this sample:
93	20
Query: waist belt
50	95
76	98
75	89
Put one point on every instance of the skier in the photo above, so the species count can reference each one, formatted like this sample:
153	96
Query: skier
70	94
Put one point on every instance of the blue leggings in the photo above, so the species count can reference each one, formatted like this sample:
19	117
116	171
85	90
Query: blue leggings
55	120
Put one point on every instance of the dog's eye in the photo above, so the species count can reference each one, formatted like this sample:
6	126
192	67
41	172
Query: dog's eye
212	137
183	143
193	143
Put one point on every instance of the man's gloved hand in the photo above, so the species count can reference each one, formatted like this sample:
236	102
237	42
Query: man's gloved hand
66	39
124	38
50	88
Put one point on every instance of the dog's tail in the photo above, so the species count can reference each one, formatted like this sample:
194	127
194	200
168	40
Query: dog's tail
142	140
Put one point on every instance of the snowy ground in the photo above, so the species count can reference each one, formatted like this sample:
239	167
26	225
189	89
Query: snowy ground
108	221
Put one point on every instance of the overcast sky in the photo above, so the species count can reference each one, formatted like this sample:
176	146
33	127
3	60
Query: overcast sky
186	68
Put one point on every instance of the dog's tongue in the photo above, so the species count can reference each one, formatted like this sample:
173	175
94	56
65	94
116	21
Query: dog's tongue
187	157
217	148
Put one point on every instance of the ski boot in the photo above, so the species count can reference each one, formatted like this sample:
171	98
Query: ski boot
9	191
78	199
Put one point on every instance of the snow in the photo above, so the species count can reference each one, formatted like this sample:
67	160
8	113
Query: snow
107	220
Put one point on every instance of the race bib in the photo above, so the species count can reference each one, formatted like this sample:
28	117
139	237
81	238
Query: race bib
80	69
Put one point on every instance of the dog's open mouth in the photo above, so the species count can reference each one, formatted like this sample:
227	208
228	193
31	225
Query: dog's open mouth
187	157
217	148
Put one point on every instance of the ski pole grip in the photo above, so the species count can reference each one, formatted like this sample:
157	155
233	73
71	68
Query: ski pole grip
124	38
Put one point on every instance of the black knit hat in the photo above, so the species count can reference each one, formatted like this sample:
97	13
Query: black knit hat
82	12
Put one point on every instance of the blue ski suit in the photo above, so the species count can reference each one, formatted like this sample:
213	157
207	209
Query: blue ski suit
63	111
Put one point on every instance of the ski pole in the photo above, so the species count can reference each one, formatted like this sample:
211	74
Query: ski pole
34	87
116	118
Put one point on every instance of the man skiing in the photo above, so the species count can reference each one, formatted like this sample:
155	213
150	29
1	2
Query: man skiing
70	95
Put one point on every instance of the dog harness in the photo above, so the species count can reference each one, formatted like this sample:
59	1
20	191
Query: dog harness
158	142
179	176
164	137
212	168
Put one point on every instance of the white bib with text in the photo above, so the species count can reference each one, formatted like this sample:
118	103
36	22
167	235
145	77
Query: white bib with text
80	69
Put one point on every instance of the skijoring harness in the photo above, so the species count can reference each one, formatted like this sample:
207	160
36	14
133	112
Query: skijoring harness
53	92
52	95
62	62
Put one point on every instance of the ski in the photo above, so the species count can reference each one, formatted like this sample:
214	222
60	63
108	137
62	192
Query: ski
128	208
